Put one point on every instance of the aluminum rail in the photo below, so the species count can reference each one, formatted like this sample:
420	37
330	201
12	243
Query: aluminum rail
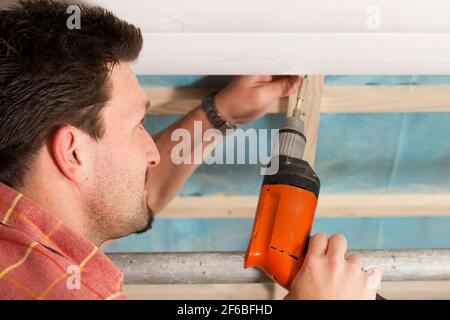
227	267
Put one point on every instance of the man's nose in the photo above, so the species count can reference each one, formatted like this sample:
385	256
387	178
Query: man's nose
153	156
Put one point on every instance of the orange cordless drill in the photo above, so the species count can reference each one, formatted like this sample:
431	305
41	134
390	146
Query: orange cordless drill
286	207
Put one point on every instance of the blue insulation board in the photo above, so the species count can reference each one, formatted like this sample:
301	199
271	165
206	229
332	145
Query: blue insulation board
357	154
218	81
174	235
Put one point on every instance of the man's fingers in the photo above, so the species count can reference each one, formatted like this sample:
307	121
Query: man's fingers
262	78
254	80
284	86
337	246
318	244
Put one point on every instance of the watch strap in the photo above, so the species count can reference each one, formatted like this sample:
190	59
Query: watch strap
214	117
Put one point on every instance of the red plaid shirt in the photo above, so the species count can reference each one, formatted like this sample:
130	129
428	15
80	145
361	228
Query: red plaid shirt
40	258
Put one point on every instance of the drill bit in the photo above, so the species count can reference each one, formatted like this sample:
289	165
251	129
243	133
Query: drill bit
300	97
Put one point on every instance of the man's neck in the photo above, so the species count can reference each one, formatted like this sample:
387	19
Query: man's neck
59	201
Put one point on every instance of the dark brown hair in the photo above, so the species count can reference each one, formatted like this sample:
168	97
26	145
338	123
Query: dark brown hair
52	76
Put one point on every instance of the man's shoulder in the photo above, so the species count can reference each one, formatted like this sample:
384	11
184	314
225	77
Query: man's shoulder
27	267
30	269
14	240
18	249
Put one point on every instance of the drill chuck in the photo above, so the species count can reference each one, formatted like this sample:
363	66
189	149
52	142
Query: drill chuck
292	141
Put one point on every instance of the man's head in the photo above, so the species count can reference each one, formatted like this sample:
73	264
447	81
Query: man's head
71	112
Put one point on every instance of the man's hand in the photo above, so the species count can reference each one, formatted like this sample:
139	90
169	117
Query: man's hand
245	99
328	274
248	98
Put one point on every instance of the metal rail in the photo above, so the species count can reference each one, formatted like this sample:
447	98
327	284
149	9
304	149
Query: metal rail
227	267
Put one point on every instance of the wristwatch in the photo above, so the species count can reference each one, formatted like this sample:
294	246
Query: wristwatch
216	119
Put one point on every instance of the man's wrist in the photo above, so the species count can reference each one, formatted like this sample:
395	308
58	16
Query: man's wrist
214	116
222	109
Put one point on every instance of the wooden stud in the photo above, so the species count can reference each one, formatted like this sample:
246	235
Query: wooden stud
336	205
310	115
398	98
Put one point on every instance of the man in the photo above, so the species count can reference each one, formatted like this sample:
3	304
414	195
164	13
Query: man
77	167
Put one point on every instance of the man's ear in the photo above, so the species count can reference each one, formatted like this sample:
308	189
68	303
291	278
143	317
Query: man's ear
65	147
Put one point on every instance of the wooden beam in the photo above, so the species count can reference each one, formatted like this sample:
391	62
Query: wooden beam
294	53
310	115
263	291
337	205
257	16
241	291
290	37
179	101
398	98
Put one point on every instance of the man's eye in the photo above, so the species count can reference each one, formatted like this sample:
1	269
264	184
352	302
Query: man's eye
142	123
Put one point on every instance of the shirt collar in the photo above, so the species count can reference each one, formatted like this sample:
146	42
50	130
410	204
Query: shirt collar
24	215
